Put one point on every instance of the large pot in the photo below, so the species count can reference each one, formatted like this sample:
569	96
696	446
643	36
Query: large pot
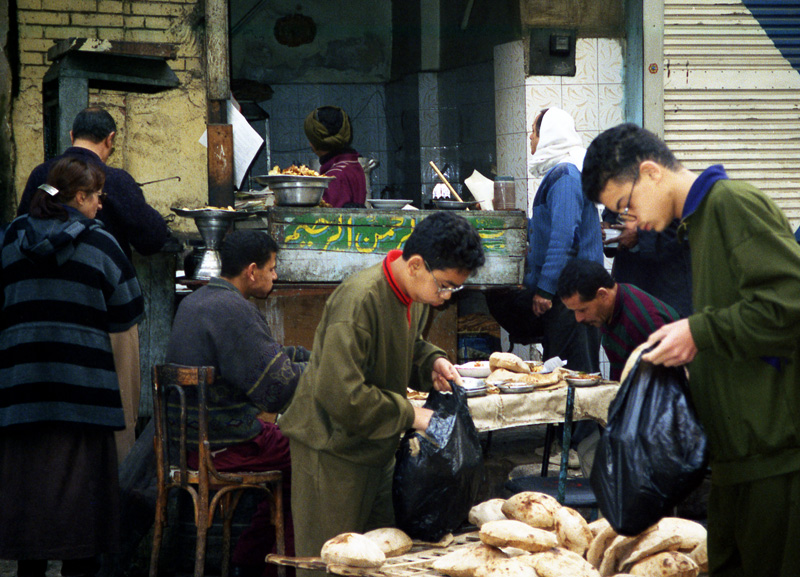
292	190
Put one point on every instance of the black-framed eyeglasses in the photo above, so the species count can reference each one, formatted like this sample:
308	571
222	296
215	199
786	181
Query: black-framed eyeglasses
624	216
442	289
102	196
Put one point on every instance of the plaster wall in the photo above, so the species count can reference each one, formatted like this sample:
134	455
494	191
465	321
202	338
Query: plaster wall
156	133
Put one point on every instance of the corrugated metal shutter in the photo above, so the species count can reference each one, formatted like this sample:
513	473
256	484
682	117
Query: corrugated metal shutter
730	96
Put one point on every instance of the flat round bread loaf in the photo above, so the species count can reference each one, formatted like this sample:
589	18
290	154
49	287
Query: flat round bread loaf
598	525
669	534
573	531
666	564
510	533
508	361
536	379
515	567
352	549
700	556
491	510
535	509
465	561
391	541
599	545
558	562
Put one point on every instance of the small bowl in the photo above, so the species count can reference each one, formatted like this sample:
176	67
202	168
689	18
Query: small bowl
583	381
477	369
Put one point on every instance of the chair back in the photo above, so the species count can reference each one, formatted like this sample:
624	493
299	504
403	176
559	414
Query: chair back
172	380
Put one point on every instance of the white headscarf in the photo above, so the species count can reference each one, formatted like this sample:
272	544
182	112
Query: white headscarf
558	142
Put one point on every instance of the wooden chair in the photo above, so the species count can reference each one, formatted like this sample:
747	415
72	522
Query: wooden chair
173	473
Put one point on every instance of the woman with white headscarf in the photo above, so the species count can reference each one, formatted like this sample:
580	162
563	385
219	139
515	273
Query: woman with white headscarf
563	225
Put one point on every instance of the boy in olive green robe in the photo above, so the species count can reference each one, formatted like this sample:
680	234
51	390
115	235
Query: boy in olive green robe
350	408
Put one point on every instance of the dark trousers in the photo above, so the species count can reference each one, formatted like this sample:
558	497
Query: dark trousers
268	451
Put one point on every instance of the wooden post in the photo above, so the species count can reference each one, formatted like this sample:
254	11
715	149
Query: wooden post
218	91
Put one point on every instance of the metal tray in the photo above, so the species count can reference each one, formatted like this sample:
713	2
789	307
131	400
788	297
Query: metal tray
271	179
209	213
583	381
388	203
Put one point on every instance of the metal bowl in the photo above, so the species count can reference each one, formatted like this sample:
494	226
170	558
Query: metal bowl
291	190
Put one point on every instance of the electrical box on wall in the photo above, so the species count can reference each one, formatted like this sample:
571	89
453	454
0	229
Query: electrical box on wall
552	52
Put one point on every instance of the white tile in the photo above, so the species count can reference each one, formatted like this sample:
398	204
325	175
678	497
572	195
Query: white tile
587	136
585	62
610	61
611	105
429	127
428	91
511	154
581	101
543	80
538	98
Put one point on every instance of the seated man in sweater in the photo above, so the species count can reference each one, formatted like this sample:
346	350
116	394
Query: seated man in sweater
625	314
217	326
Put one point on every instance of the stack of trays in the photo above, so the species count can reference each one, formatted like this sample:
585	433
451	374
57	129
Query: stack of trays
474	387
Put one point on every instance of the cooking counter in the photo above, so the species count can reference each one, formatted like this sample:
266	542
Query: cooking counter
323	245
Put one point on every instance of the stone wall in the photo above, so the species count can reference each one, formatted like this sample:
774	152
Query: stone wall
157	133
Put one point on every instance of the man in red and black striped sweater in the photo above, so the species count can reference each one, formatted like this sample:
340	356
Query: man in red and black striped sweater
625	314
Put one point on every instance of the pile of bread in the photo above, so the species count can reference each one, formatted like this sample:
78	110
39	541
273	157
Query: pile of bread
369	550
509	368
532	535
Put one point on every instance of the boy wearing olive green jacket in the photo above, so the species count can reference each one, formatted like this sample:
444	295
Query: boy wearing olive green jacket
350	408
742	346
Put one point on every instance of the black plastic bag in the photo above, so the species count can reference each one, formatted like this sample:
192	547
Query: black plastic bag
437	474
653	452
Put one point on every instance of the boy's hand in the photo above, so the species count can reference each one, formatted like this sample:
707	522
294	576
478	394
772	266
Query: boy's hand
676	347
422	418
443	371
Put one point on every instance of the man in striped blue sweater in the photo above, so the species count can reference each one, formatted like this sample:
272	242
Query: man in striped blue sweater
625	314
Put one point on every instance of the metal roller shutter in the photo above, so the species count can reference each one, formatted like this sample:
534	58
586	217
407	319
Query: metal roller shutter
731	95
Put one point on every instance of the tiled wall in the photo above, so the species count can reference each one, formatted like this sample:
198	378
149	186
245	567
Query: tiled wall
291	103
594	97
446	117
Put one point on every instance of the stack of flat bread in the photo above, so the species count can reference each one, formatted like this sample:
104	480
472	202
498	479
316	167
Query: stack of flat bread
532	535
509	368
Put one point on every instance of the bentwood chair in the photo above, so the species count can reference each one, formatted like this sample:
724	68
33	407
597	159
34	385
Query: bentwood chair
170	380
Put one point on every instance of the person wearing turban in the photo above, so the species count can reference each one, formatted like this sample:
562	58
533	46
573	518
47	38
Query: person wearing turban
329	132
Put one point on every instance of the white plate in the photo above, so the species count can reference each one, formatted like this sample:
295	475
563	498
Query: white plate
388	203
478	369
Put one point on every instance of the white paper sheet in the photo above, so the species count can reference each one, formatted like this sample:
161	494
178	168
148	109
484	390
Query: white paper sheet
246	143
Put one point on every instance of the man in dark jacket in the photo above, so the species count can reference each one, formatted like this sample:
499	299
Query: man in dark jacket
125	213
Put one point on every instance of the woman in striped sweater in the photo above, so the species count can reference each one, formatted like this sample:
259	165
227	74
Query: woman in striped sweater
66	285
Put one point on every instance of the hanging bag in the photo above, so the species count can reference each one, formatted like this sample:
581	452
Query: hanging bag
653	452
438	473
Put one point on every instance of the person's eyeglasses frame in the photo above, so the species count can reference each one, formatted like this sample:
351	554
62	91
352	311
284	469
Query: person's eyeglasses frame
624	217
441	289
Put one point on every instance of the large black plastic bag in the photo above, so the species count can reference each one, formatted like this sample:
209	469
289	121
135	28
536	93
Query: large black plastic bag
437	474
653	452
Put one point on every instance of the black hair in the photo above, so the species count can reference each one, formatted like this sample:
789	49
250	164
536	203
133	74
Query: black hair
69	175
537	125
617	154
446	240
93	124
331	118
584	277
242	247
